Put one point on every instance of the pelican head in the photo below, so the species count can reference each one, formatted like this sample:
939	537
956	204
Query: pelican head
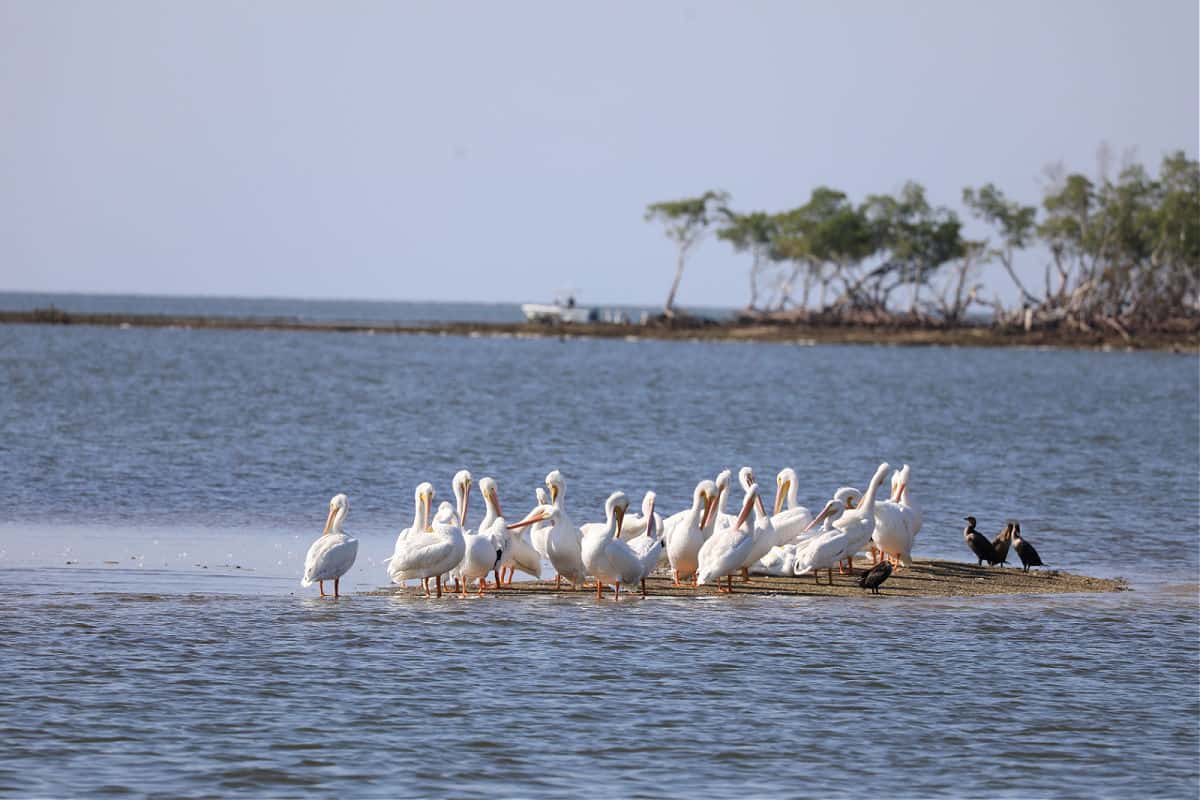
615	507
722	480
900	483
462	493
848	496
339	504
832	509
705	494
541	496
446	514
542	513
424	495
648	502
746	477
751	500
555	483
491	495
784	482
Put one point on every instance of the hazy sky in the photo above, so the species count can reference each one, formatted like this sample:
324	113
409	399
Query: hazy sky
497	150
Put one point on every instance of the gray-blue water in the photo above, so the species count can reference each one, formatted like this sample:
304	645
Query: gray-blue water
367	311
161	487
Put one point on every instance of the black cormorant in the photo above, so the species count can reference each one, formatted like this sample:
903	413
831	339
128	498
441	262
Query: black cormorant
1000	544
875	576
978	543
1029	556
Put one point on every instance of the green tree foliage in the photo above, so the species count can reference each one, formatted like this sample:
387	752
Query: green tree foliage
824	238
913	239
1124	250
686	222
753	233
1016	225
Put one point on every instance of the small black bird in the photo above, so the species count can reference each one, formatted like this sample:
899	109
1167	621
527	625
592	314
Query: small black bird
1000	544
1025	551
872	578
978	543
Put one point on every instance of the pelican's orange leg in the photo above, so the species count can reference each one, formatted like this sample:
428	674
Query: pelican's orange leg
335	587
322	585
439	585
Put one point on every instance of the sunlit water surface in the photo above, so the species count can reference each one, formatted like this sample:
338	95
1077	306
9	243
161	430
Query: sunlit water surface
161	488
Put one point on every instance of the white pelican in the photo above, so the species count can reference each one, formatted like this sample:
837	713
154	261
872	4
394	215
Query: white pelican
422	514
783	561
894	532
687	536
516	552
912	510
635	524
789	522
724	553
857	524
564	540
824	550
333	553
605	555
539	531
648	545
481	549
764	534
891	534
433	550
746	480
718	512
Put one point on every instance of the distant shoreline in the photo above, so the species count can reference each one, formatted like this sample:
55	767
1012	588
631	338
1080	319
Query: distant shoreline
737	331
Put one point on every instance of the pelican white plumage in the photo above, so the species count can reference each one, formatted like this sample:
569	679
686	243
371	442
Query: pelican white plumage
332	554
785	561
789	522
726	550
856	525
782	560
764	538
913	517
605	555
516	551
825	549
635	524
564	540
481	549
686	538
893	535
429	549
422	515
649	544
745	480
540	531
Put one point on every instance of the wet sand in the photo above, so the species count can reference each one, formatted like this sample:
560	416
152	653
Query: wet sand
695	330
925	578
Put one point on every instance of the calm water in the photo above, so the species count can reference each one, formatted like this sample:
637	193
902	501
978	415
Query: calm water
162	486
382	311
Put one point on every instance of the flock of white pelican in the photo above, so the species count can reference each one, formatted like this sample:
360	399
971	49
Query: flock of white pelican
703	544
